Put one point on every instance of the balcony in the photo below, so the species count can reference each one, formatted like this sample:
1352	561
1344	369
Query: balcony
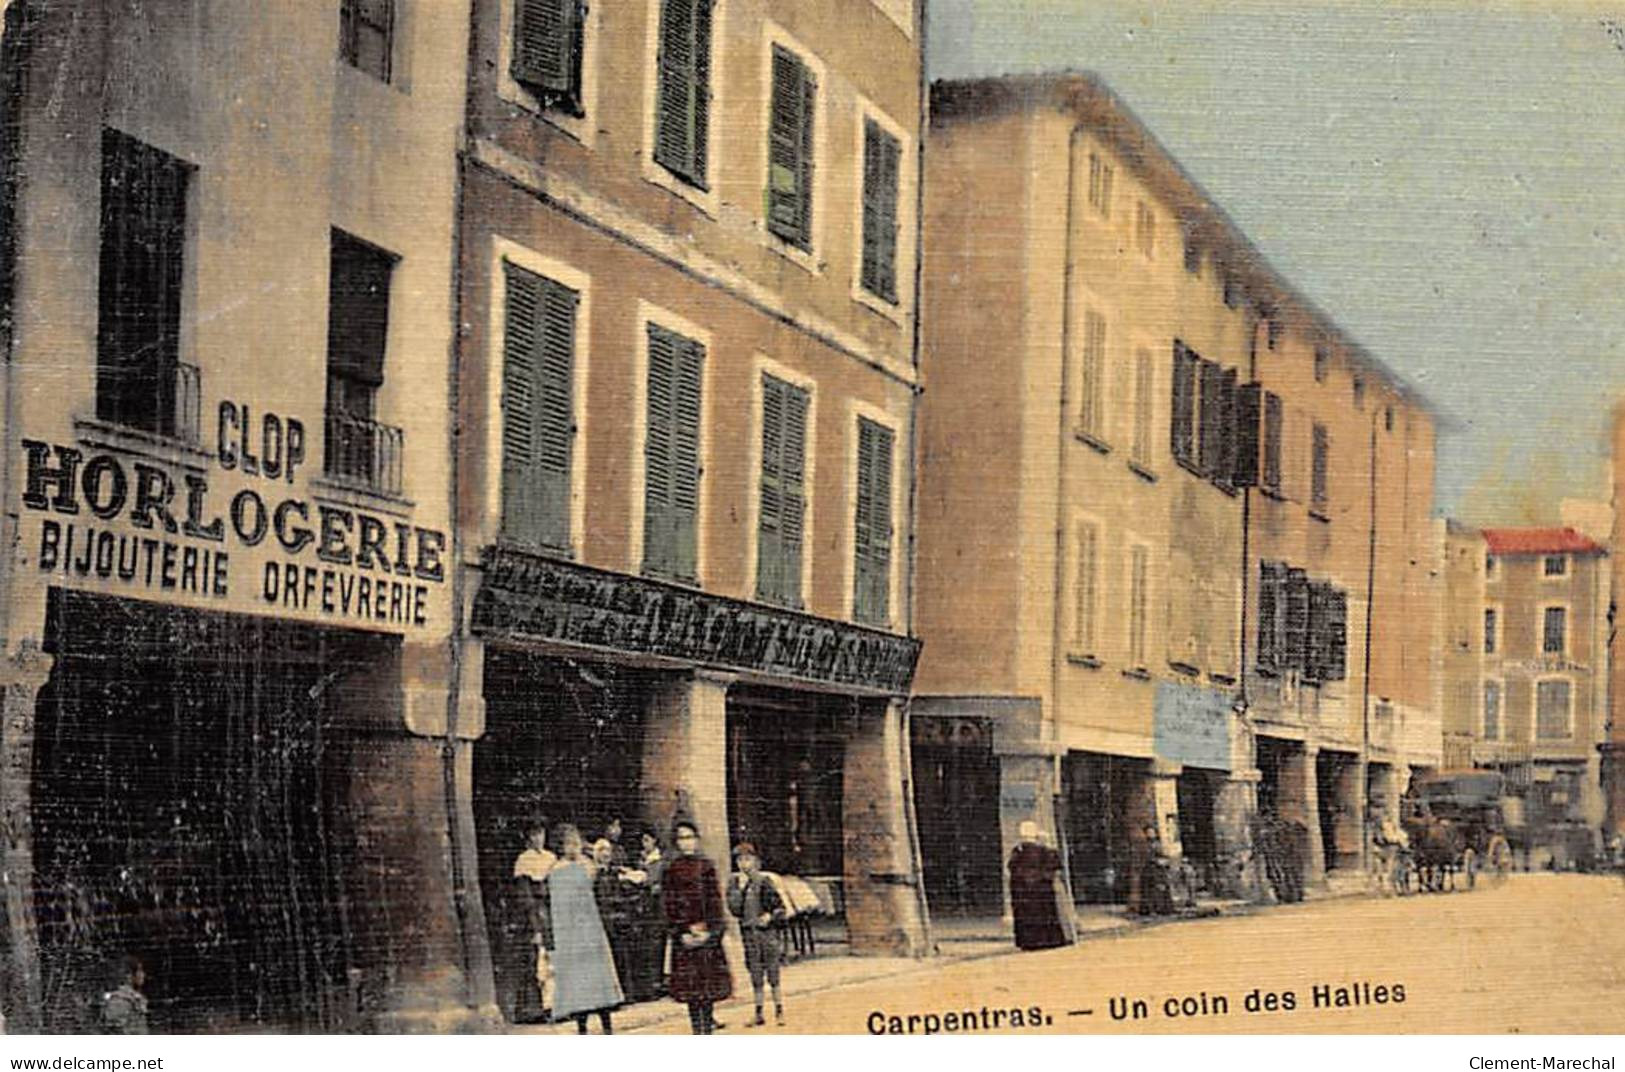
160	400
363	453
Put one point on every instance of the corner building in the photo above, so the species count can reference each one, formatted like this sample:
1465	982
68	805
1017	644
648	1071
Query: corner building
227	322
686	389
1143	566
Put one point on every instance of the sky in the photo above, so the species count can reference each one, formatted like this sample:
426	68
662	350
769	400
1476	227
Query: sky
1446	180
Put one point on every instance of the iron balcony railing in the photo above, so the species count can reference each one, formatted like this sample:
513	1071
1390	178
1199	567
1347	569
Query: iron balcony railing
364	452
159	398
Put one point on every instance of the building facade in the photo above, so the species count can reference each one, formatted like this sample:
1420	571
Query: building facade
227	317
1545	625
1613	742
686	391
1164	625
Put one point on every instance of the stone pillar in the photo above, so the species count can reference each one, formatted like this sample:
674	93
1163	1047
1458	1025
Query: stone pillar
1234	806
1613	782
1298	800
423	959
1162	806
685	773
884	913
21	677
1348	819
1026	792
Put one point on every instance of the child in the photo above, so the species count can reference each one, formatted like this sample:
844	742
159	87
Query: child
124	1009
754	901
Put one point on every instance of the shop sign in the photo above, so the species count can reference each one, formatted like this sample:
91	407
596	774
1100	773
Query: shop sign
133	523
1191	725
529	597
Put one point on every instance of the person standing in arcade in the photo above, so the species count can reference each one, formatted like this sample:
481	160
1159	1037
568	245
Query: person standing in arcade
692	900
1035	871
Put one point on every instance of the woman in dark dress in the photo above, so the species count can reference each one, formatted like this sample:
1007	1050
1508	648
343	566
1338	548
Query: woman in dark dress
692	900
1033	871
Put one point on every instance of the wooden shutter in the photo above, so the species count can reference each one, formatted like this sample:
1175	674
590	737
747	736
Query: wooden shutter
684	89
783	492
1083	611
1269	616
790	149
881	157
1295	620
1225	422
538	425
1315	644
1139	557
672	454
1182	425
1248	418
1270	476
1210	451
547	43
1141	446
1319	449
872	593
1337	635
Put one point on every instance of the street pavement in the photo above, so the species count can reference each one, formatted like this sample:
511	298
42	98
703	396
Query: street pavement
1541	953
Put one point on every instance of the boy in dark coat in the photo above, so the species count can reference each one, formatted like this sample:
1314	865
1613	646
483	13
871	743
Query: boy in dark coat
692	900
756	904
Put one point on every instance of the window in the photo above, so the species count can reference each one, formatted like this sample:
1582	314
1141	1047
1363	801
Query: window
1322	360
1085	552
1552	714
1145	230
882	155
683	89
1326	633
1193	256
1182	422
1092	377
779	531
1490	630
1271	616
1270	478
671	455
367	35
1138	582
1492	710
1359	392
1294	597
790	149
547	50
1232	292
138	330
1140	447
538	425
1554	566
1272	333
1100	185
1554	630
871	596
1489	565
1388	418
1320	451
357	447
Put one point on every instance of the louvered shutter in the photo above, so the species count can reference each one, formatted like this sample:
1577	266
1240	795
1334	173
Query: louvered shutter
1295	623
1248	418
1315	643
1337	635
1269	616
1084	611
1210	451
793	470
1225	422
790	150
547	41
770	523
871	598
1319	451
685	469
881	156
538	427
684	89
657	452
1270	477
1181	426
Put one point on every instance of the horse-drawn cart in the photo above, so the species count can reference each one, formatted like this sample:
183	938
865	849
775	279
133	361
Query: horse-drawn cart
1456	827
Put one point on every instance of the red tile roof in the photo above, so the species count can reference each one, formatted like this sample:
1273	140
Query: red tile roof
1551	541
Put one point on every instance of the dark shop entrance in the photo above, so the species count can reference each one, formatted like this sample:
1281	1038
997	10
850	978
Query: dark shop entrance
563	743
1104	798
189	810
956	805
786	762
1198	791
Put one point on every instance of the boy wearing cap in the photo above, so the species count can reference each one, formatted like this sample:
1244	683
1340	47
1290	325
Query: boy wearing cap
755	902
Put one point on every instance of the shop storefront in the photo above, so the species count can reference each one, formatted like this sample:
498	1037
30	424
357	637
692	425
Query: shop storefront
956	795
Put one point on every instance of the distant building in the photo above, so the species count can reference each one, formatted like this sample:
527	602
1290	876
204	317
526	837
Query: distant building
1542	610
1613	744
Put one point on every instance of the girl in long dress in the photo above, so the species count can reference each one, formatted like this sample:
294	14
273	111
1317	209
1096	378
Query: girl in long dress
692	900
583	968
